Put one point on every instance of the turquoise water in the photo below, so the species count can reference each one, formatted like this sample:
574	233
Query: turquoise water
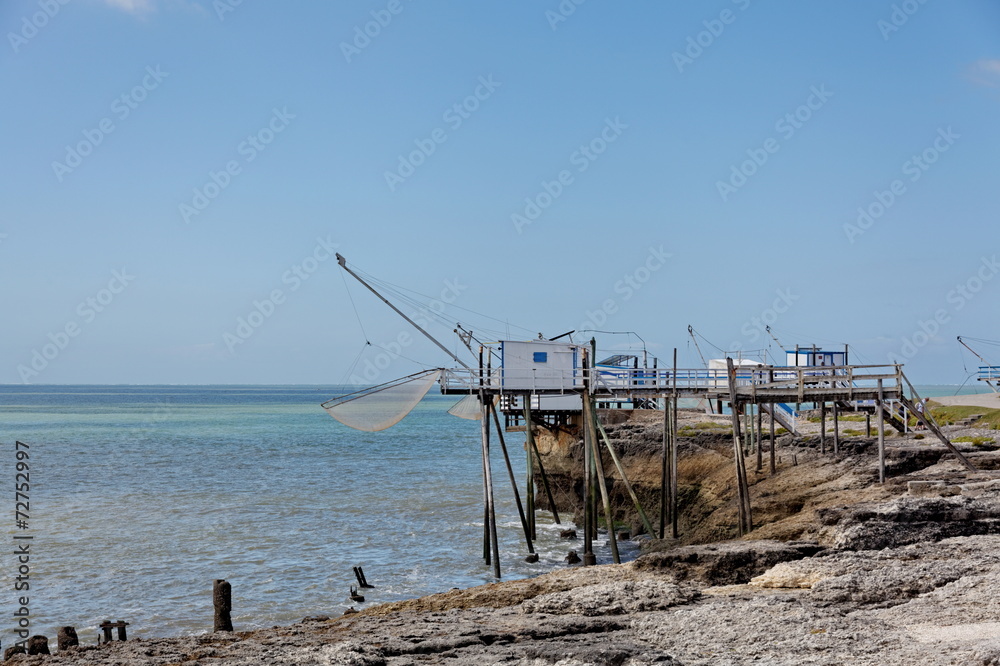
142	496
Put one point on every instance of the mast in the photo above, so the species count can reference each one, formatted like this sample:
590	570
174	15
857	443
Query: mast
343	264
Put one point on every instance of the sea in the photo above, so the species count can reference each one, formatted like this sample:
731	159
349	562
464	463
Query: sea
139	497
135	499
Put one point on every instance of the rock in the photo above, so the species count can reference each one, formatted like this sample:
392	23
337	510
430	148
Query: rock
613	598
910	520
931	489
532	558
726	562
12	650
624	535
568	534
572	557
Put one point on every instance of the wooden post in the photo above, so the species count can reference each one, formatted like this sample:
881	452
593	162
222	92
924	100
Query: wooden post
121	624
868	424
771	447
822	426
67	638
106	629
602	482
529	484
38	644
538	460
588	507
760	439
490	507
664	470
222	599
673	455
625	481
742	487
836	429
525	524
487	553
881	434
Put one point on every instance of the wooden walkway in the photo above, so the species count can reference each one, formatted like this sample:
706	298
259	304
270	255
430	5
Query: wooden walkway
759	385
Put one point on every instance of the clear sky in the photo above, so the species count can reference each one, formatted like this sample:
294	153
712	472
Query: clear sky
176	173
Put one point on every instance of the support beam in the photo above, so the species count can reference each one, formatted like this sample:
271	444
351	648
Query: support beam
528	536
675	443
742	488
625	481
533	446
880	410
609	519
836	429
490	507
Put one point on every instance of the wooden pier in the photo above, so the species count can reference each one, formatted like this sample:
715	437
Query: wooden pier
541	394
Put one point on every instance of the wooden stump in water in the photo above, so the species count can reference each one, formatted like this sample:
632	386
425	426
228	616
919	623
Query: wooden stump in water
222	598
67	638
38	645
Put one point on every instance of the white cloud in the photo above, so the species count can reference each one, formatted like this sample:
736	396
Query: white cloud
132	6
986	72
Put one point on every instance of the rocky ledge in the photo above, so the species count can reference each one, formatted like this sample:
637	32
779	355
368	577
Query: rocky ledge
910	580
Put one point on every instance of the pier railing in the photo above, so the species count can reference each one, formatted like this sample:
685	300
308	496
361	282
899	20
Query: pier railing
783	384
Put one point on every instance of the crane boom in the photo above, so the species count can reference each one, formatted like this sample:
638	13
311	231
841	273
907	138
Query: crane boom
343	264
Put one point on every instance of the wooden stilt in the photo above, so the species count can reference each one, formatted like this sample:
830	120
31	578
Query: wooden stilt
880	407
625	481
760	440
664	470
822	426
742	487
490	506
530	435
603	484
868	424
529	484
674	443
588	544
528	536
836	429
771	446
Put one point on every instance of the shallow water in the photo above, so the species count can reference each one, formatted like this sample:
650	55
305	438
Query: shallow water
142	496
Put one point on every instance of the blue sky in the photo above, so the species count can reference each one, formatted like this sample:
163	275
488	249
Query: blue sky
176	174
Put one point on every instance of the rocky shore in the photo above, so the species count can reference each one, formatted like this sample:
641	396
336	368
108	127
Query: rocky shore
839	570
